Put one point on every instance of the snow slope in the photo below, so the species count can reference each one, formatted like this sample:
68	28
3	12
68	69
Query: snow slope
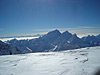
84	61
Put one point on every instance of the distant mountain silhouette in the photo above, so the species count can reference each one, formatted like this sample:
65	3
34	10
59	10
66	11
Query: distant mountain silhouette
92	40
55	41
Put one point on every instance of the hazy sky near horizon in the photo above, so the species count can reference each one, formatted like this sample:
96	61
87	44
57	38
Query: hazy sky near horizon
26	17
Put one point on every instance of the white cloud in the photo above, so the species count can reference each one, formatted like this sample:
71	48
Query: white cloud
20	38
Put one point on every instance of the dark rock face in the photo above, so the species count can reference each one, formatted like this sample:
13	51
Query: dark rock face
6	49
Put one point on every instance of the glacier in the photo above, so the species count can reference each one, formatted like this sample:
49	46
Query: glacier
83	61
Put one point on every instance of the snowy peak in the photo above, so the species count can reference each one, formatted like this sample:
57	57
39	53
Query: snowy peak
53	33
76	40
74	37
51	36
66	35
12	41
66	32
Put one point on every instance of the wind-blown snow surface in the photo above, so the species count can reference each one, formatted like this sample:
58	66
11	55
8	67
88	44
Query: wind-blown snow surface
84	61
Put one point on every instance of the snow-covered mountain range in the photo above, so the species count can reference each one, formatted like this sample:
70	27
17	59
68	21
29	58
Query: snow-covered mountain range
92	40
54	41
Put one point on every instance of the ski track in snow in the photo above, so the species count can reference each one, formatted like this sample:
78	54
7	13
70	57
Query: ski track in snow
84	61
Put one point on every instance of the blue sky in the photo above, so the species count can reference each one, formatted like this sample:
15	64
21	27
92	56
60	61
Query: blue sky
27	17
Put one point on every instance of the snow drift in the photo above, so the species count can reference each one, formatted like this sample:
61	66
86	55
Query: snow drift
84	61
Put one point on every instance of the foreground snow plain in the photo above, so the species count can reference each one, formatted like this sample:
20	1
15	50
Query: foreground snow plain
84	61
